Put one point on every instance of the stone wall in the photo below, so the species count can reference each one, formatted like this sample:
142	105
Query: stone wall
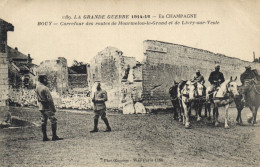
78	81
57	74
77	100
105	67
4	85
166	62
110	67
22	97
78	76
4	62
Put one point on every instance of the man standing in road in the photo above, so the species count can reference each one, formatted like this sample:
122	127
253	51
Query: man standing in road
99	99
47	108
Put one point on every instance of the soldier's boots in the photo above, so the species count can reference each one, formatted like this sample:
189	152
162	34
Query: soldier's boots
95	126
54	134
45	138
107	124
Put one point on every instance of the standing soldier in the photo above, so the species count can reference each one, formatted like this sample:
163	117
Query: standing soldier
47	108
99	99
216	78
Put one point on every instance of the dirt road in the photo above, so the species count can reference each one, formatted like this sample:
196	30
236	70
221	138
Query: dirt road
135	140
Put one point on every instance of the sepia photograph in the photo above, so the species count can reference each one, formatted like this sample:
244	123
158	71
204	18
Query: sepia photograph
143	83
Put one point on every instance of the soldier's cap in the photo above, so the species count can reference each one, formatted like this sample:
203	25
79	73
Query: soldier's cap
197	70
248	67
217	66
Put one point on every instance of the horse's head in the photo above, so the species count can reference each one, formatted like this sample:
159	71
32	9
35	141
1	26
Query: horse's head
190	90
200	89
232	87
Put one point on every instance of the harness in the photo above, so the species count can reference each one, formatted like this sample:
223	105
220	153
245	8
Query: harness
226	96
252	83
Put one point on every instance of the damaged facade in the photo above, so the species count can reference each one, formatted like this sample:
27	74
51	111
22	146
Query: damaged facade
17	77
119	75
78	76
4	63
149	81
166	62
56	72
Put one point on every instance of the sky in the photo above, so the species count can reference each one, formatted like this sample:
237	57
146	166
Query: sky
236	35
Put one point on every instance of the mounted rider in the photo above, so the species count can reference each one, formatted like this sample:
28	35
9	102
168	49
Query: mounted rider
216	78
198	77
248	74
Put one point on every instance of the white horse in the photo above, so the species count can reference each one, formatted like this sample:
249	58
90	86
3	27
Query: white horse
187	95
224	96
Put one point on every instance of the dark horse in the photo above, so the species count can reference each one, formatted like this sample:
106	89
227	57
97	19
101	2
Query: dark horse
252	89
173	91
239	105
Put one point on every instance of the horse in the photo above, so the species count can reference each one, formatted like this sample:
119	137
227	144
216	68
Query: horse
173	91
187	95
198	102
239	105
252	97
224	96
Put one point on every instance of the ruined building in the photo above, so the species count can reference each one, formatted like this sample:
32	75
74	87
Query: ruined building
17	77
22	72
120	75
78	76
167	62
56	72
124	78
163	63
4	63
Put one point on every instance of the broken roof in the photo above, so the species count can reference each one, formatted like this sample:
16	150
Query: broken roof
7	26
15	54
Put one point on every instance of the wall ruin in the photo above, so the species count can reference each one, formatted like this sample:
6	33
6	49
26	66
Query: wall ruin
115	72
166	62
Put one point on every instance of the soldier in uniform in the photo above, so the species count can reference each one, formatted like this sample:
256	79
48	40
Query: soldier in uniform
216	78
47	108
99	99
198	78
247	75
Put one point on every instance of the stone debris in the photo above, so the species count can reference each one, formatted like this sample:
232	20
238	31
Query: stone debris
139	108
128	105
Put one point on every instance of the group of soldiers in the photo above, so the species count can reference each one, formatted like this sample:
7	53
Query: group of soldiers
216	78
48	110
